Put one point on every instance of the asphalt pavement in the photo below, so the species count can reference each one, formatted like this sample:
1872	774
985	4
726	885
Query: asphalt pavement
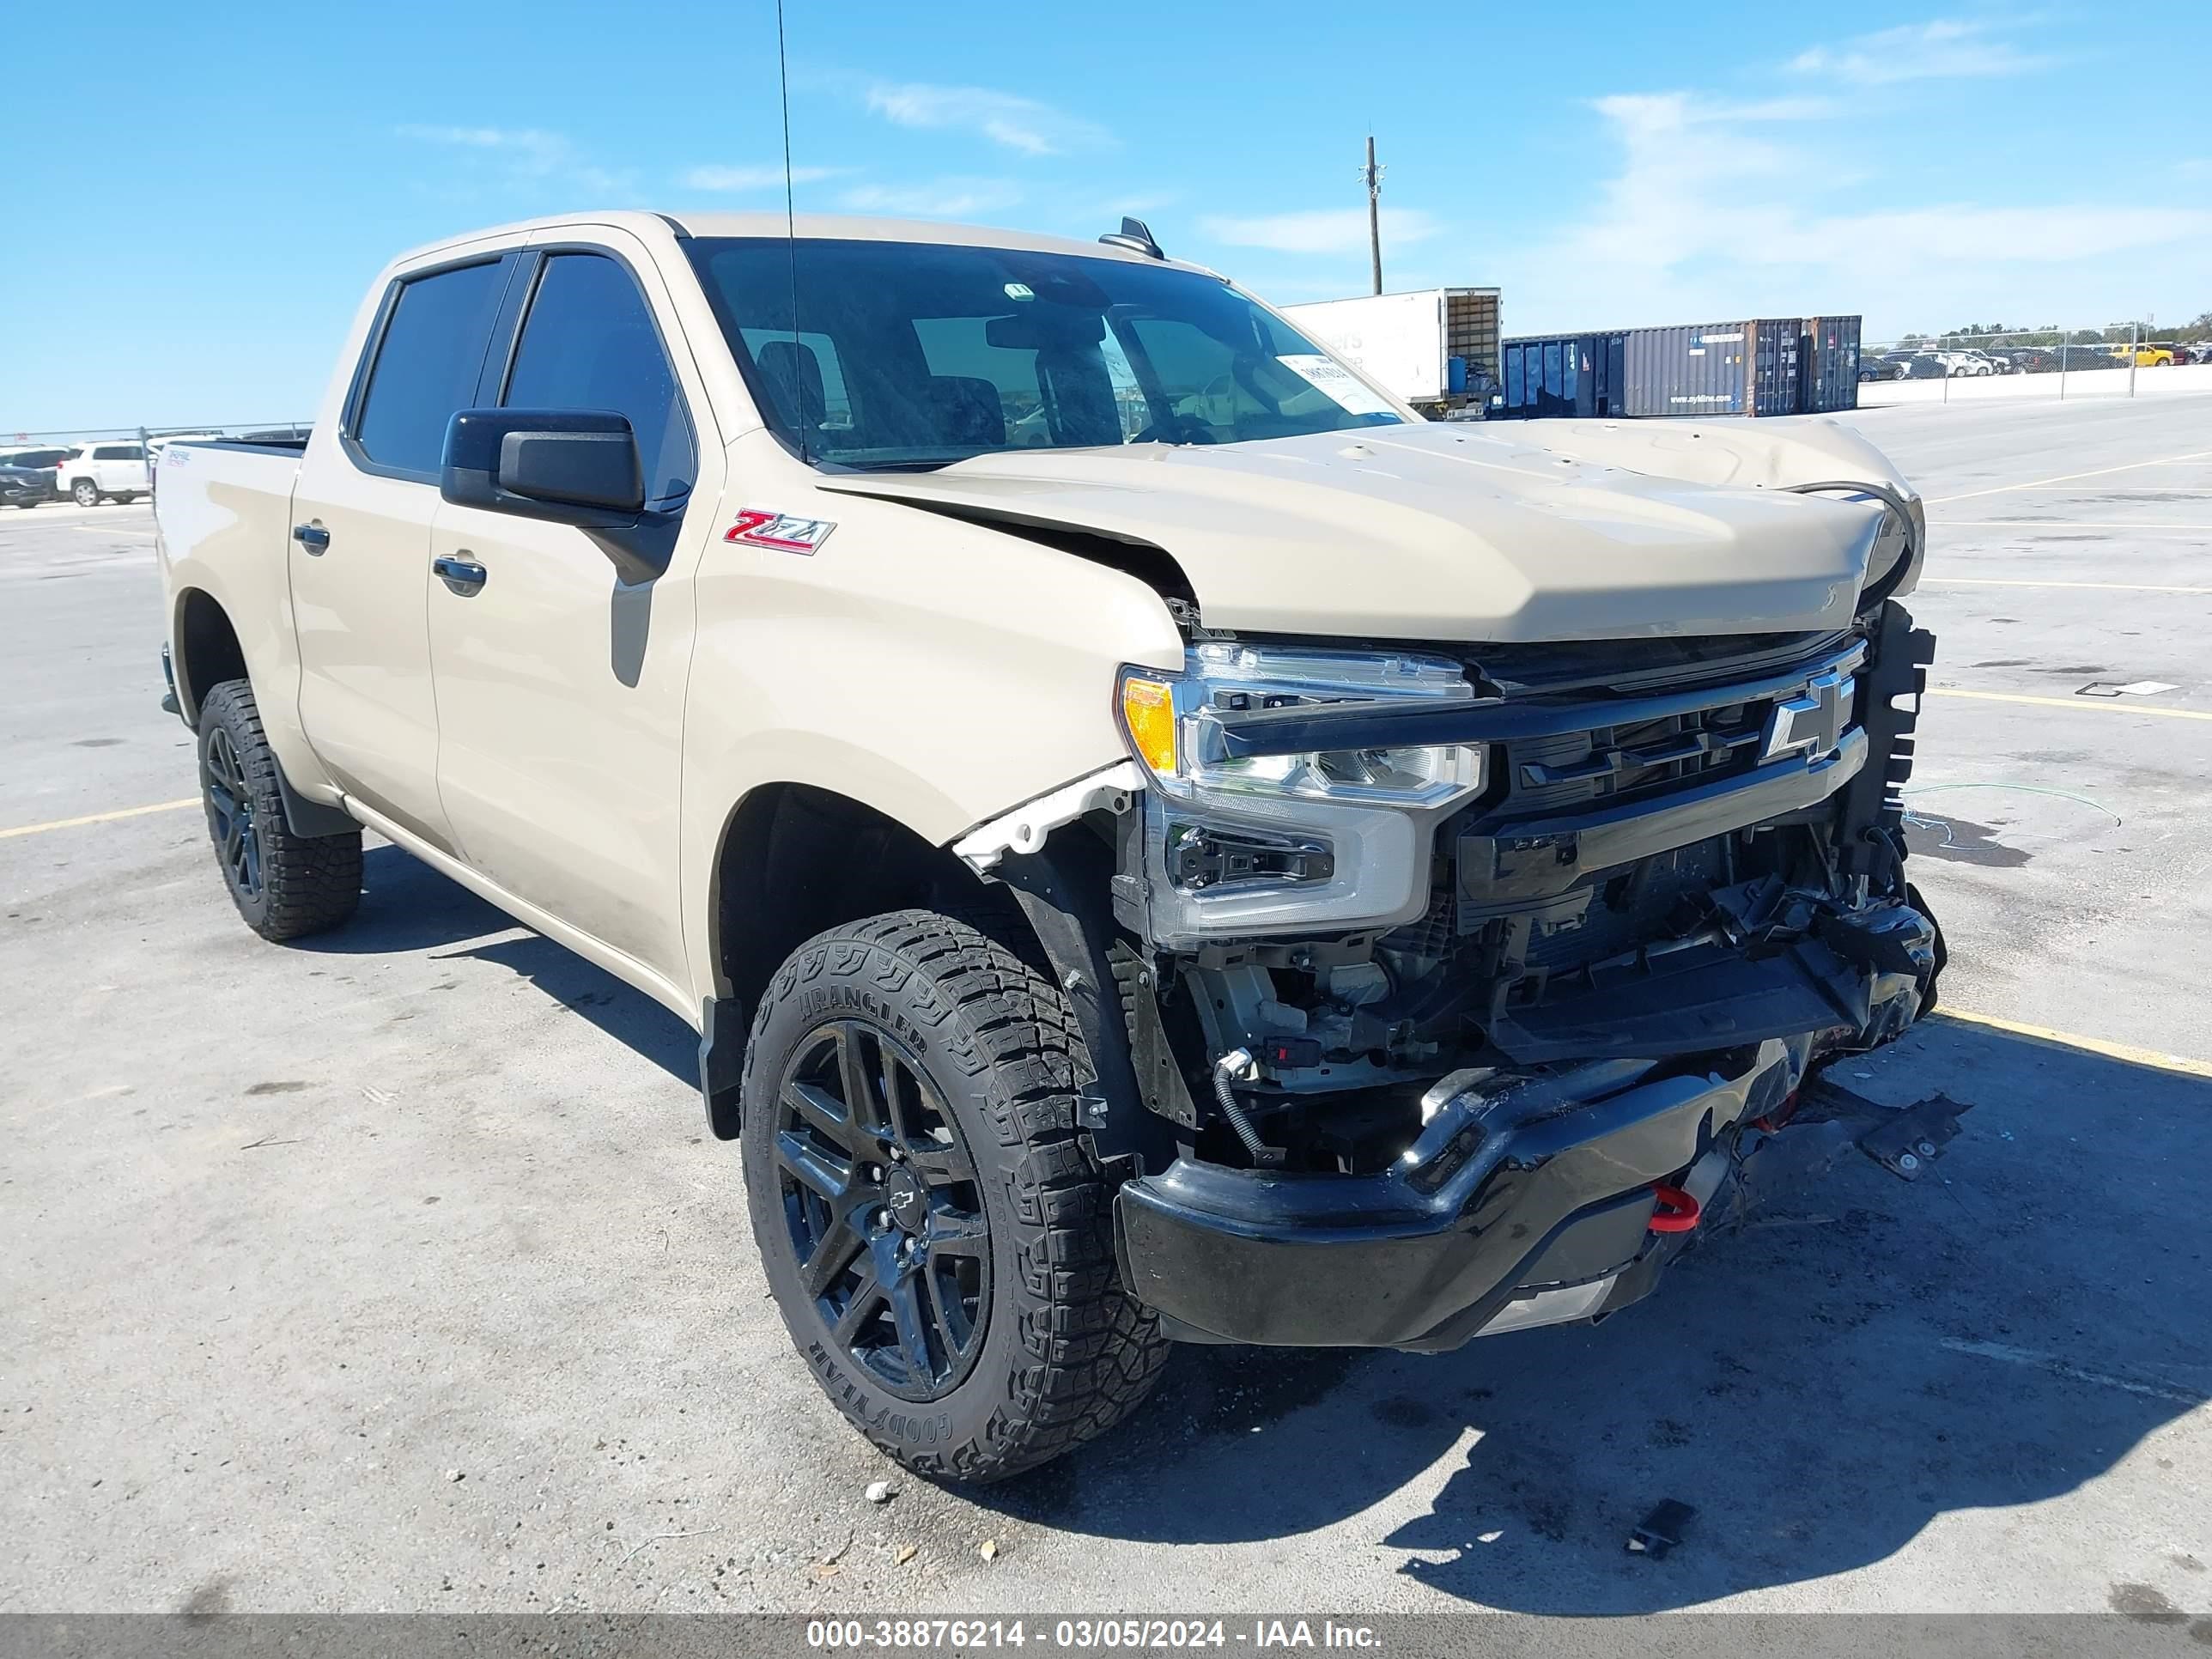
396	1270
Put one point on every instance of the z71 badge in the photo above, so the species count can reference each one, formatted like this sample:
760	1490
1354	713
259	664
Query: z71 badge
758	527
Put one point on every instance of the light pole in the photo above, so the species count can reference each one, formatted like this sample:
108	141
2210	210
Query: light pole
1372	176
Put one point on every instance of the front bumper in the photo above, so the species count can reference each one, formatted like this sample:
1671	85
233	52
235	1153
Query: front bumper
1517	1208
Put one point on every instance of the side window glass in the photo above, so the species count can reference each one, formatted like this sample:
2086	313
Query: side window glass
589	343
426	366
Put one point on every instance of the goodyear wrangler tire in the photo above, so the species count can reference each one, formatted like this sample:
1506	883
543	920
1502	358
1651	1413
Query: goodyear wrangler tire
936	1232
285	886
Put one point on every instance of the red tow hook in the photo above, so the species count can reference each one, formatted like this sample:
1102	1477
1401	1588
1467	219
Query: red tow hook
1677	1212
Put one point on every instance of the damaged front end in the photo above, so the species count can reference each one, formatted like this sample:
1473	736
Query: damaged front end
1455	986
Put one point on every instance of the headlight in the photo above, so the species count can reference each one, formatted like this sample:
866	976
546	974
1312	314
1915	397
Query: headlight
1172	724
1323	838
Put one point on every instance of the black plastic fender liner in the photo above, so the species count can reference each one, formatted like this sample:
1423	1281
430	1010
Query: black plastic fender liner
1066	889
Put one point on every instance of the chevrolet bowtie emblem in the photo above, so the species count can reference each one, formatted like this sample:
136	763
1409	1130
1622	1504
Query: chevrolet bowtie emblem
1812	723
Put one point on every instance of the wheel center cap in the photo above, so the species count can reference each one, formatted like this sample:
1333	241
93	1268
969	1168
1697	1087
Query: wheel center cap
904	1198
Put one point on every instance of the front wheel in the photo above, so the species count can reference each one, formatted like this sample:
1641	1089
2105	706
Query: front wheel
937	1233
285	886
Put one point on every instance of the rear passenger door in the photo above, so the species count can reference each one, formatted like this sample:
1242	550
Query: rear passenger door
360	550
561	687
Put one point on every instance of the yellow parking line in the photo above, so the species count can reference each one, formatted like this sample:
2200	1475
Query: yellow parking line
2063	523
97	817
2127	1051
2103	705
2011	581
2068	477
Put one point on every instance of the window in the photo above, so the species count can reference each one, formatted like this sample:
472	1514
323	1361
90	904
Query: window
939	352
118	452
427	366
589	344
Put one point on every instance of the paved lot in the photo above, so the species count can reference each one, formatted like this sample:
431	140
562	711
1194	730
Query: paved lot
394	1271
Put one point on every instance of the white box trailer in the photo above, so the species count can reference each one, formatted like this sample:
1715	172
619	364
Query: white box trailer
1433	346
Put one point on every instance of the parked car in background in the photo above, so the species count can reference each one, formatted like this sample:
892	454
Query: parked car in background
1926	366
1885	368
2153	355
43	460
1968	360
26	486
93	473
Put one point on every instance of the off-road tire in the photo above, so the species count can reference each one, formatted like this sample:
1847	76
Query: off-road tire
85	493
307	883
1066	1353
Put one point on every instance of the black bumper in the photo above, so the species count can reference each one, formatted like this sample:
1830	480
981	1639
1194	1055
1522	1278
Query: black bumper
1500	1197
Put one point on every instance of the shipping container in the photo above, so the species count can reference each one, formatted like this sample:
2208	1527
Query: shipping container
1574	375
1763	365
1433	347
1831	369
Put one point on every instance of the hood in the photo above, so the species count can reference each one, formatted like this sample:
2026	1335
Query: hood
1603	530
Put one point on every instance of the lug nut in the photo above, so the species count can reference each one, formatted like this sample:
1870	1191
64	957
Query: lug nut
1906	1161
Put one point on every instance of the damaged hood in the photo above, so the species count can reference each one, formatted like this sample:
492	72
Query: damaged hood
1603	530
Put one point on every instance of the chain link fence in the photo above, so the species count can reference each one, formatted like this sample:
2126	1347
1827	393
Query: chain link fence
70	437
2118	360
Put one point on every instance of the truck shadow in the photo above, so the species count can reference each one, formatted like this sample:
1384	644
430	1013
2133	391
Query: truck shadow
406	906
1820	1384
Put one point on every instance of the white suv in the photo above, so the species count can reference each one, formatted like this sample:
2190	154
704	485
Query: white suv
93	473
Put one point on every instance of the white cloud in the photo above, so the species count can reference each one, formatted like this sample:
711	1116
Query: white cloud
519	156
1018	123
1940	49
1707	218
1320	230
754	178
528	146
934	198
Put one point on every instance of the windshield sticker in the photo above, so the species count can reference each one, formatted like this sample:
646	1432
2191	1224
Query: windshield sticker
1020	291
1337	384
762	527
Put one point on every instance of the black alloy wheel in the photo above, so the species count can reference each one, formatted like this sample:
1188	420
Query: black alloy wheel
885	1211
230	814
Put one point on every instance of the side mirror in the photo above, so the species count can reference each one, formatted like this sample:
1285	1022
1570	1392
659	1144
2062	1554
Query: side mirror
576	466
573	466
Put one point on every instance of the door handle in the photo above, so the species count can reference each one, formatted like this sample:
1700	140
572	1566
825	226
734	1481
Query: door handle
465	576
313	538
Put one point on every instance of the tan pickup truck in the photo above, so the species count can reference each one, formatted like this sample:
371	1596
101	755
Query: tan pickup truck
1158	842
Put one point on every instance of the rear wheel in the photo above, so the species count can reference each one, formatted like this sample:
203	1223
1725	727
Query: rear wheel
85	493
937	1233
285	886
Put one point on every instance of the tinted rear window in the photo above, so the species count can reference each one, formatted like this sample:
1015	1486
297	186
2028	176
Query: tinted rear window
425	367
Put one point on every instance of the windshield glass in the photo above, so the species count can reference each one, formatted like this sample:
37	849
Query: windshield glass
915	354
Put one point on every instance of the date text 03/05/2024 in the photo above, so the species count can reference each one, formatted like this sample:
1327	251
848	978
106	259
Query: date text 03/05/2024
1081	1634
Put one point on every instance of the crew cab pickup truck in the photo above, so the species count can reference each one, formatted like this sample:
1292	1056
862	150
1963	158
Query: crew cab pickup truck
1157	842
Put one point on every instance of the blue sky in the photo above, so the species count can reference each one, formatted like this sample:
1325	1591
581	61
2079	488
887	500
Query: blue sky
203	196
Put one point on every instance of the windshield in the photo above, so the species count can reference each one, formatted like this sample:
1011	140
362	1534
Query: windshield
916	354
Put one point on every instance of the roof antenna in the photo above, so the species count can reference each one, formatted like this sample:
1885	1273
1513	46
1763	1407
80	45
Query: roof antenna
790	235
1133	234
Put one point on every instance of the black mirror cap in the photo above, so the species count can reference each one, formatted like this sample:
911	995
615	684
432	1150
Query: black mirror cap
574	466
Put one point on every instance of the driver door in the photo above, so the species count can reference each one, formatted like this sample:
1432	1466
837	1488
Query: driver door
559	687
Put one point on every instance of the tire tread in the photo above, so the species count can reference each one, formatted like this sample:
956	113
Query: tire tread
1088	1353
312	882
